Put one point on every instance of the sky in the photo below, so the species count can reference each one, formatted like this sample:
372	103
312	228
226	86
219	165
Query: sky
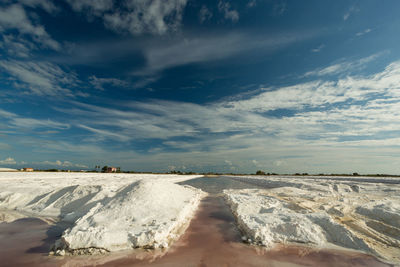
206	86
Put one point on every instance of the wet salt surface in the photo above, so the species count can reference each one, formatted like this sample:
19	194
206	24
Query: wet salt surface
212	239
217	185
26	242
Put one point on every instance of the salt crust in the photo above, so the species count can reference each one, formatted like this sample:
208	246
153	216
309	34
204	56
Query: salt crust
360	214
106	212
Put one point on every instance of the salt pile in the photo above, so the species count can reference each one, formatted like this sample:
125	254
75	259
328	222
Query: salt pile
321	212
105	212
143	214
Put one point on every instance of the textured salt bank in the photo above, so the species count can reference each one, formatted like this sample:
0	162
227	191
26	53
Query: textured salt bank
142	214
106	212
67	196
323	213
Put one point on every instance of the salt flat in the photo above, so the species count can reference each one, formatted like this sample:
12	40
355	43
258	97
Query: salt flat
359	213
106	212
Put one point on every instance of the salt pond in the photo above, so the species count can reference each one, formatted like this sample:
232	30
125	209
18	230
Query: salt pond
212	238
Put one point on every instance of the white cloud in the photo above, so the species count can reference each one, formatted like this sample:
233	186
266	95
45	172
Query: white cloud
7	114
96	8
363	32
16	46
350	11
18	122
14	17
153	16
228	162
107	134
59	163
35	123
279	163
44	4
252	3
324	112
41	78
204	14
181	50
345	115
82	148
98	83
211	48
8	161
135	16
318	48
229	13
344	67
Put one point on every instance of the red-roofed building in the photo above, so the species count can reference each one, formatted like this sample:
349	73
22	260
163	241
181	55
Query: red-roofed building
111	169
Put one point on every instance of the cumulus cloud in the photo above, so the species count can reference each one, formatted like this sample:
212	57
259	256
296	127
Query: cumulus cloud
14	17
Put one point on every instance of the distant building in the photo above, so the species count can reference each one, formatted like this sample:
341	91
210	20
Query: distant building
27	169
111	169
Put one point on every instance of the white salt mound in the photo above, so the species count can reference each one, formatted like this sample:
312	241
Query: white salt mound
142	214
104	212
324	212
268	220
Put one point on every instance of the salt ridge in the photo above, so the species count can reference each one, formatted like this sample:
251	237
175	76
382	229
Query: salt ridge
361	214
105	212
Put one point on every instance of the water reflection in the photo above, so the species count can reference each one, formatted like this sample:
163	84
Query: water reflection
215	185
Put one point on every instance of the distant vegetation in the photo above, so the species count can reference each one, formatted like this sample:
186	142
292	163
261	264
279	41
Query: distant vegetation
104	169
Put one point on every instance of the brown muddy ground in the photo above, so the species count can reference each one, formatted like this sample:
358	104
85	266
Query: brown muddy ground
211	239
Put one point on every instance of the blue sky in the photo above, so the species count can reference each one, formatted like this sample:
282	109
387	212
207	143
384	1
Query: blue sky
227	86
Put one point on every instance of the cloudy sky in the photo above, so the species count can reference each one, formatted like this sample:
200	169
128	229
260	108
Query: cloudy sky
229	86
